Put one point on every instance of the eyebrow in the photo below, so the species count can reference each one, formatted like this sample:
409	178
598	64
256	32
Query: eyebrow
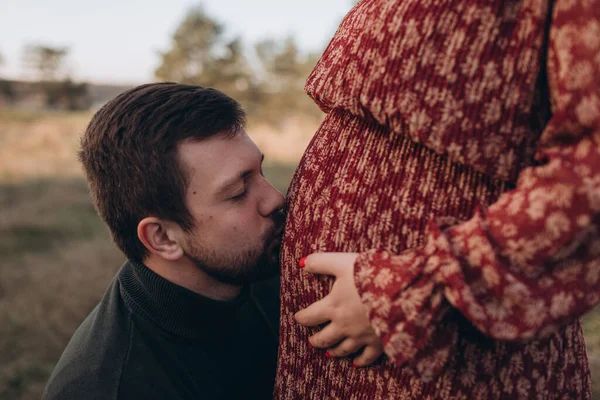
230	183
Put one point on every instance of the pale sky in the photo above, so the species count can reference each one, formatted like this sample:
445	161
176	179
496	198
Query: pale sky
116	41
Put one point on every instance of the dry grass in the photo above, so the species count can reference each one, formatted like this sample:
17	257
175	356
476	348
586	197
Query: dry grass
56	261
56	255
35	145
44	145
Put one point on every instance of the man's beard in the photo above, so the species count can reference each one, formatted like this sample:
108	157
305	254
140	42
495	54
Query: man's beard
236	266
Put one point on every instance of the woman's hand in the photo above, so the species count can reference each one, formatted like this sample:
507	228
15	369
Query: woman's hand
348	329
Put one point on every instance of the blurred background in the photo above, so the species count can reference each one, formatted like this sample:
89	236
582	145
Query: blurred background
62	60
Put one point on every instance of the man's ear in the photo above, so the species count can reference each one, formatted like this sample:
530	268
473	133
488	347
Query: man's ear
160	238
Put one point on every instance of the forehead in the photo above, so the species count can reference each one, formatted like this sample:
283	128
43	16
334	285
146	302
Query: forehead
211	160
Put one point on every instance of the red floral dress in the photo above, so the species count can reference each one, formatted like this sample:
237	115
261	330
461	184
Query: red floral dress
460	155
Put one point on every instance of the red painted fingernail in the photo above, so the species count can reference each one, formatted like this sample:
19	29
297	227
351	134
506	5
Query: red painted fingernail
310	344
302	262
328	355
355	366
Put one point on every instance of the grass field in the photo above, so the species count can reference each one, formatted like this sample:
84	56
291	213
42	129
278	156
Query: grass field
56	255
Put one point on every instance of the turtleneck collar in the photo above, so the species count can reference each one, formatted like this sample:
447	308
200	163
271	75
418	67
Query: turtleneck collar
175	308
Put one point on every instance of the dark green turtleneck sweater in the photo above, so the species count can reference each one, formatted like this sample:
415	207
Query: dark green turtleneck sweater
151	339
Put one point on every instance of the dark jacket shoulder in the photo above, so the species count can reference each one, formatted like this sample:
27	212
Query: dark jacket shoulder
92	363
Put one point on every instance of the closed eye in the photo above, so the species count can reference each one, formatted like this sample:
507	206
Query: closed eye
240	196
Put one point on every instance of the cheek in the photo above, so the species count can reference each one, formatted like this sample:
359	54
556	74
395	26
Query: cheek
247	212
236	222
233	224
244	221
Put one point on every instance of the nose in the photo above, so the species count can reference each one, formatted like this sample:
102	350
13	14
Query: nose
272	201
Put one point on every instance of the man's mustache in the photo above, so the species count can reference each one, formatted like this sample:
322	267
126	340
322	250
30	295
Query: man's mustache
278	218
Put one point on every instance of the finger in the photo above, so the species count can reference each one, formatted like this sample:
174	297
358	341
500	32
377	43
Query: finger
369	355
345	348
327	337
317	313
329	263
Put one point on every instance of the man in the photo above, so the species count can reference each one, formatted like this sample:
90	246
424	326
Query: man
454	187
180	185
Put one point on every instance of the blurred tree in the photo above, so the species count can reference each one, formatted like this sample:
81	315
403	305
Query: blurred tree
192	54
46	63
67	95
201	55
7	93
284	70
282	65
269	87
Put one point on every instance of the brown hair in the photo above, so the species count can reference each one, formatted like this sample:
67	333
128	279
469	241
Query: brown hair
129	154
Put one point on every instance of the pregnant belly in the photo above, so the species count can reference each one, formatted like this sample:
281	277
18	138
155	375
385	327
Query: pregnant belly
360	186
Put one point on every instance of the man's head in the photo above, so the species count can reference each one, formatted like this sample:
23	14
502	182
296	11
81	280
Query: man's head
175	177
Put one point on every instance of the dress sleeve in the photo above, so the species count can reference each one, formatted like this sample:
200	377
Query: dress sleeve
530	262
